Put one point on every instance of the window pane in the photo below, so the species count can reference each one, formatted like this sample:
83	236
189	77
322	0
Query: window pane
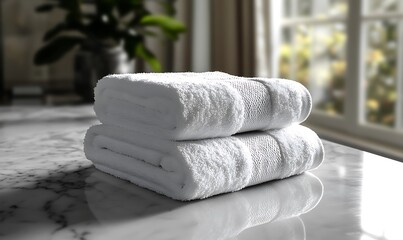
295	54
380	72
314	53
314	8
330	8
287	8
317	59
303	46
286	54
304	8
379	6
329	68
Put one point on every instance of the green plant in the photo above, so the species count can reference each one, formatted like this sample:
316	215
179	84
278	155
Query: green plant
107	23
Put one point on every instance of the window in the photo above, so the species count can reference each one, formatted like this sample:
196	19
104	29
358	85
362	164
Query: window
313	50
349	54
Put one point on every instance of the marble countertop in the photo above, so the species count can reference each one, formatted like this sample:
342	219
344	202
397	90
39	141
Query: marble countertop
49	190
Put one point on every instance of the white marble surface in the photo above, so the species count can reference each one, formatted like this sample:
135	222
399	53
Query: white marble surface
48	190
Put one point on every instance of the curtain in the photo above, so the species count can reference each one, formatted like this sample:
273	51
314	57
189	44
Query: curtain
264	40
181	52
233	37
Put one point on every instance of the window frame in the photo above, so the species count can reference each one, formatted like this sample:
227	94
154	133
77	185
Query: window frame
352	122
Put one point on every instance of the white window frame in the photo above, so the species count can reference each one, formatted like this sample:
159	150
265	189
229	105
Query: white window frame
352	121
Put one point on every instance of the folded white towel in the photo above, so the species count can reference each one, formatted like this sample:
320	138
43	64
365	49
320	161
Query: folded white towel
185	106
188	170
147	215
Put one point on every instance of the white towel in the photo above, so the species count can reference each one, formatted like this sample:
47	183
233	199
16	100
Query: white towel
189	106
186	170
147	215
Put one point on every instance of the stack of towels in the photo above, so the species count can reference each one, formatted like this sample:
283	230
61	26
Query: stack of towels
195	135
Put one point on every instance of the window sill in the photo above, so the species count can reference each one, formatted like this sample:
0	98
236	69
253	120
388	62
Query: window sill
364	144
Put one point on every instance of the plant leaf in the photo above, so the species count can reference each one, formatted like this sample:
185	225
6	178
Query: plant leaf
56	49
130	44
170	26
148	56
55	31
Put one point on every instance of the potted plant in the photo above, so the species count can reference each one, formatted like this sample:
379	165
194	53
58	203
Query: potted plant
109	34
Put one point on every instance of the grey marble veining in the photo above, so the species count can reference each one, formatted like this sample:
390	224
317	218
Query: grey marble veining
48	190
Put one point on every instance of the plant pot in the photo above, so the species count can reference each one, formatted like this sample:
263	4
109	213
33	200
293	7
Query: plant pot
90	66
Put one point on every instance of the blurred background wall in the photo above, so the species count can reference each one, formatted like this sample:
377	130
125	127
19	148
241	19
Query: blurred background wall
22	33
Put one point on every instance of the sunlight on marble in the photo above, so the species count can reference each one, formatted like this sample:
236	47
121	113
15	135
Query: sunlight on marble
341	170
382	199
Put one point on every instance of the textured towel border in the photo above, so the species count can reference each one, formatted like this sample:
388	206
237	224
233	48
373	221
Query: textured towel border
298	149
288	107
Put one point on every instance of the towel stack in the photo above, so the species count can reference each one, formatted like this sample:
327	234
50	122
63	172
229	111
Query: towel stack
195	135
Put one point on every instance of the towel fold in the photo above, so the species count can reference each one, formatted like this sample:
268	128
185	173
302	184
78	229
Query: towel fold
189	106
147	215
187	170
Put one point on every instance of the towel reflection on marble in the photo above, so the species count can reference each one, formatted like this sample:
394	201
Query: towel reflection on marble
126	210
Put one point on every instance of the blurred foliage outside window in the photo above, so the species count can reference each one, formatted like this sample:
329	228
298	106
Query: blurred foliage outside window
313	52
381	72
